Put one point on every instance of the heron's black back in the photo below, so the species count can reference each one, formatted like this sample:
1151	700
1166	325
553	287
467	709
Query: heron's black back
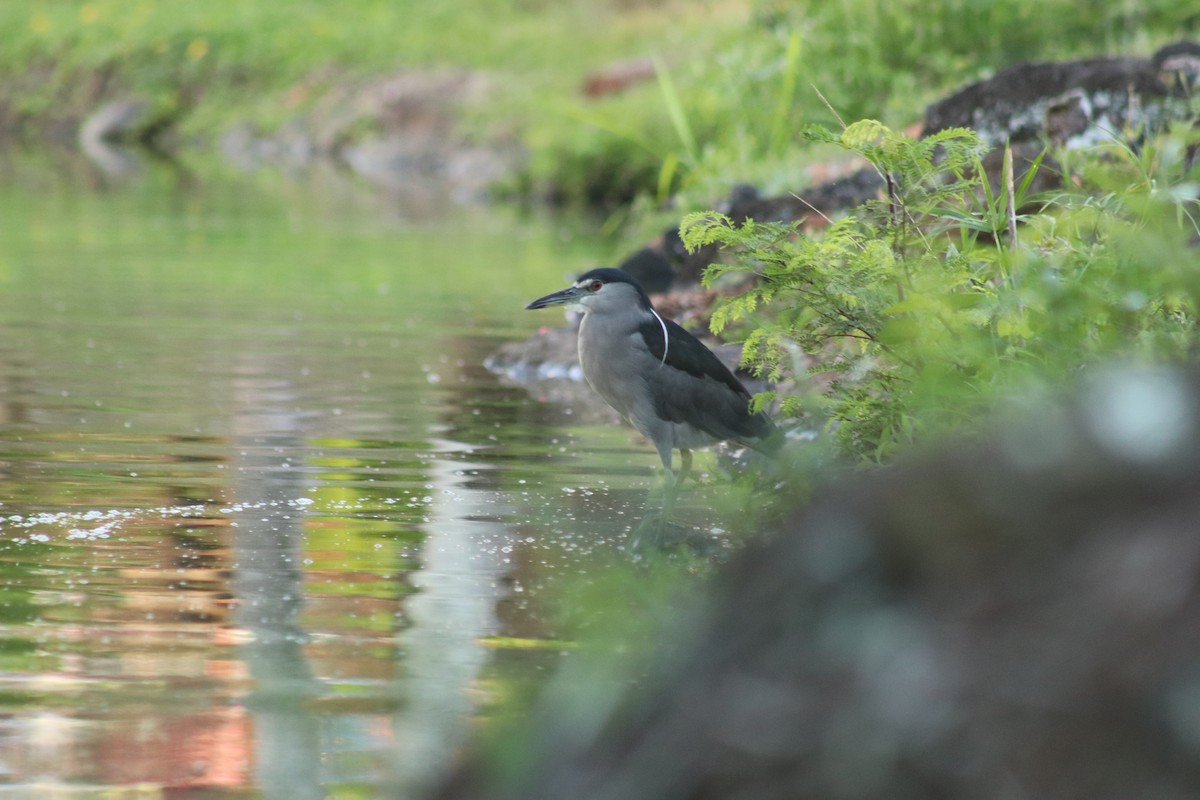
699	389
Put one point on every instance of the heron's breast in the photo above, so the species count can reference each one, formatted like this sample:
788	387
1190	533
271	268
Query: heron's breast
611	362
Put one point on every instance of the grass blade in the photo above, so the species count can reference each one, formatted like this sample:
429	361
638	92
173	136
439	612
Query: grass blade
675	112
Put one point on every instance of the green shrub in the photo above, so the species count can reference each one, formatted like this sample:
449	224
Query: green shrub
929	302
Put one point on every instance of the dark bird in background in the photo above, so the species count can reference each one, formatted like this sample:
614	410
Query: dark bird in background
659	378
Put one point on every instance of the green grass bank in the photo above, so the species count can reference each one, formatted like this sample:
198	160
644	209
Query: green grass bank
735	80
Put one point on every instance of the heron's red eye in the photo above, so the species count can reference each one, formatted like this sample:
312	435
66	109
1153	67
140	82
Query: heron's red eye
595	286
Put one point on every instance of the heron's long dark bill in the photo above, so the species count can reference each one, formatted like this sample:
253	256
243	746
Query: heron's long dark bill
559	298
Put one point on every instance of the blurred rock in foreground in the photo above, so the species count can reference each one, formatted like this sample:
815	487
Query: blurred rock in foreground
1015	617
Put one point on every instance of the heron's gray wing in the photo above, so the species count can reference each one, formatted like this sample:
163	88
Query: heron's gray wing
688	354
693	386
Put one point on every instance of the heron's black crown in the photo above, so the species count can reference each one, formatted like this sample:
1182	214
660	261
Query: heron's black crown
612	275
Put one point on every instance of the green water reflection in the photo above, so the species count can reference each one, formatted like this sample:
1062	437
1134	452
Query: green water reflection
266	522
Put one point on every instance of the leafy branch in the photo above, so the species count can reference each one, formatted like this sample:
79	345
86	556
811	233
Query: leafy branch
927	301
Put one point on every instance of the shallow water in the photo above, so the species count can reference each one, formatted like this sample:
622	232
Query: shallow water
267	525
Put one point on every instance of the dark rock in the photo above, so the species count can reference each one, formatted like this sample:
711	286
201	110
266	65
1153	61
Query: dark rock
666	264
815	204
1101	97
1013	104
650	267
291	147
1178	67
1069	104
1017	617
813	207
412	119
115	121
109	137
550	354
689	265
401	132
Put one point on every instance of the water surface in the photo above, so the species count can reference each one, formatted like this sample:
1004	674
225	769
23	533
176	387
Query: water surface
267	526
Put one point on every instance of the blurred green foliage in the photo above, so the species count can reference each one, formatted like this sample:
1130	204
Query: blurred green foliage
749	89
737	79
266	62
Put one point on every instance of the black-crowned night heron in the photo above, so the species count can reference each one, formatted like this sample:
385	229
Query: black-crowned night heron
656	375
